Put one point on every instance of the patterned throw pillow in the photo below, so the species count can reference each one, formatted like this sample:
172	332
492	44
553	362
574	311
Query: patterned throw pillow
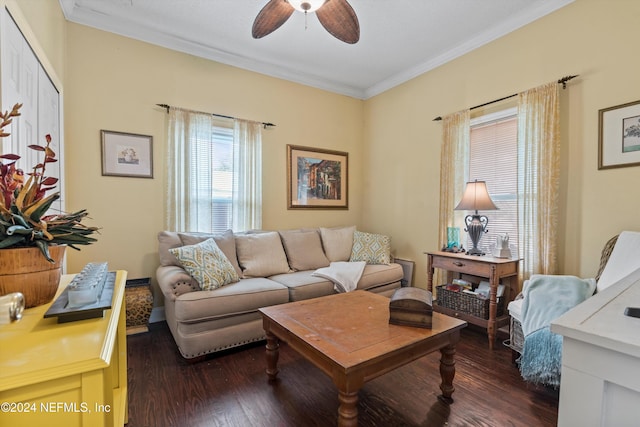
206	263
371	248
225	241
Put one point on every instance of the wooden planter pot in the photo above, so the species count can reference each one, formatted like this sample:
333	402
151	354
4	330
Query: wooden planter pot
27	271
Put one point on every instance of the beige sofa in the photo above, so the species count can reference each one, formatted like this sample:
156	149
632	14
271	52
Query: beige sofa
273	268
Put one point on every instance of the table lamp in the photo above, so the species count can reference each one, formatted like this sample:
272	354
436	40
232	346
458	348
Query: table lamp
476	197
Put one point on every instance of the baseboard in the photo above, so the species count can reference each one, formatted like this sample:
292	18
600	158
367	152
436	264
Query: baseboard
157	315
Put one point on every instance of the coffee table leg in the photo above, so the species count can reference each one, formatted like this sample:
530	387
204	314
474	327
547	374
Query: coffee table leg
447	372
272	354
348	410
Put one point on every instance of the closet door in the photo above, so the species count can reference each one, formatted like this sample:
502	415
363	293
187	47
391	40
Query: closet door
49	123
24	80
19	84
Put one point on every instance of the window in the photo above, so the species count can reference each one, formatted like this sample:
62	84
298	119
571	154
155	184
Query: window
212	173
535	158
214	168
493	157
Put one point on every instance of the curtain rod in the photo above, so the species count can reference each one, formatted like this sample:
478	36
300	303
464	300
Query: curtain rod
563	81
166	107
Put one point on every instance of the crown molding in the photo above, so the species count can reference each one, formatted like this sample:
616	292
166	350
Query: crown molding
486	37
159	37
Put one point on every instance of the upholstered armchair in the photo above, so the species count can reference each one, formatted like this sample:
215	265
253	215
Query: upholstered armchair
619	258
516	337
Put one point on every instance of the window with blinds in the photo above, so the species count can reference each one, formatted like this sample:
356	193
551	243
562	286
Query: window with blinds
211	172
493	157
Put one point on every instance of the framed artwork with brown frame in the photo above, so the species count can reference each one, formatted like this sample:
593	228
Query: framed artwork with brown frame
619	136
126	154
317	178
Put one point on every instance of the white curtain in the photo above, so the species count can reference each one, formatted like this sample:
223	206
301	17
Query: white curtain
247	175
538	178
181	194
454	166
190	180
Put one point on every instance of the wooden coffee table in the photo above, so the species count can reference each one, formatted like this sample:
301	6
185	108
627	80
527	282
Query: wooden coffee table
348	336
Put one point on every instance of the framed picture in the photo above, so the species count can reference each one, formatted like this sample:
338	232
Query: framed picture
317	179
126	154
619	141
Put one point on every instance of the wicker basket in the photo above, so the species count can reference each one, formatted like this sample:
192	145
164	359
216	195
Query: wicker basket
466	303
516	337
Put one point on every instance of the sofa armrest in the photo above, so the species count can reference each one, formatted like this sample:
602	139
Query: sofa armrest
175	281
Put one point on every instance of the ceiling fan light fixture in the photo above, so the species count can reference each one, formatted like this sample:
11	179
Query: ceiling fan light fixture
336	16
306	5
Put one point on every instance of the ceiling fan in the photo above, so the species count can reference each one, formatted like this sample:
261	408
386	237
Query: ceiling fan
336	16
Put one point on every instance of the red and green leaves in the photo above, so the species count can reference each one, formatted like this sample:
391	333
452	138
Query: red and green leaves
23	205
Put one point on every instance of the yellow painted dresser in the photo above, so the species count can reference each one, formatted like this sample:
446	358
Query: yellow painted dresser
65	374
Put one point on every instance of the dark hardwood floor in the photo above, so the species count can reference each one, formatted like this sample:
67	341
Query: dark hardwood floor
231	389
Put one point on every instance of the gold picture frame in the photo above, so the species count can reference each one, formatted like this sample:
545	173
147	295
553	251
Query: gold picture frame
619	136
126	154
317	178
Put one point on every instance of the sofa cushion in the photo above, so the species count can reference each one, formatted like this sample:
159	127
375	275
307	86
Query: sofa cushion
302	285
261	255
380	274
371	248
247	295
225	241
171	239
303	249
168	240
206	263
337	242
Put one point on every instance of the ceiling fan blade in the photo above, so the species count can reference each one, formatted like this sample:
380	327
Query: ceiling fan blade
340	20
271	17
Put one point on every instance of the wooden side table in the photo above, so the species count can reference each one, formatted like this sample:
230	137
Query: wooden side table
474	268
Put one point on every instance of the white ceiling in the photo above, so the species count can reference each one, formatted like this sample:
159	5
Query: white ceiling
399	39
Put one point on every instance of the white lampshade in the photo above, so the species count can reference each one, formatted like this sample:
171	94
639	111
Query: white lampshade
476	197
306	5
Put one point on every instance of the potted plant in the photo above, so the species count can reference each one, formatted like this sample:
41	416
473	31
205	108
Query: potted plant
32	242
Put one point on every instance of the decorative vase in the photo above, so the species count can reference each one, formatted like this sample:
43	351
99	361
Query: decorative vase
453	237
27	271
139	299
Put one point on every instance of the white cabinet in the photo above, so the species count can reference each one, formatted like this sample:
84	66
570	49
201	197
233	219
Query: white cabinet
600	383
24	80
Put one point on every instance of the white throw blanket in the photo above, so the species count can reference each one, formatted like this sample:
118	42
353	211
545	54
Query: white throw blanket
344	275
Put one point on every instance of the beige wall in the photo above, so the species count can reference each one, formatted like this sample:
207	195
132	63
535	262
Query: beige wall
593	38
113	83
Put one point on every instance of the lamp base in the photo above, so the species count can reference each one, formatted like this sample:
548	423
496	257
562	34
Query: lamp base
476	227
475	251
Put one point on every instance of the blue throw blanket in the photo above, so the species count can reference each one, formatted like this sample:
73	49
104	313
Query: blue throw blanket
545	299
